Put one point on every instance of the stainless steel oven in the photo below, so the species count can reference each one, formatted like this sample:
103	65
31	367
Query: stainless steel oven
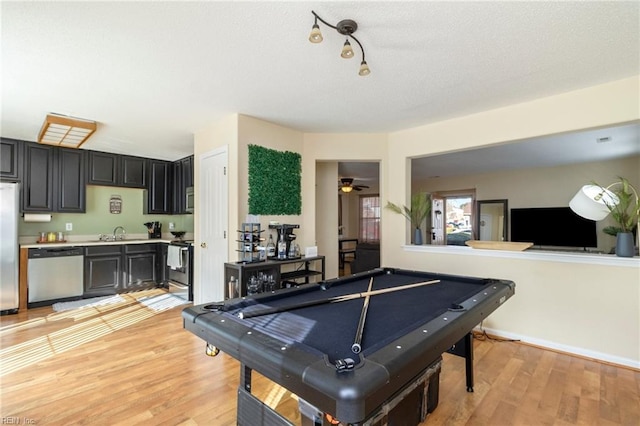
180	264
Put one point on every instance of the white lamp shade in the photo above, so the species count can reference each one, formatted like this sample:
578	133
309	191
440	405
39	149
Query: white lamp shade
591	202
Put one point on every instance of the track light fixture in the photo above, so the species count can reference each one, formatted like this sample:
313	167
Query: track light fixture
345	27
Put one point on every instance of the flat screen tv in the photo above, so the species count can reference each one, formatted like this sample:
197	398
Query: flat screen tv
552	226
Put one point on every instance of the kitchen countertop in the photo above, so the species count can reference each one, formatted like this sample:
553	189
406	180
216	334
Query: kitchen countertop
88	240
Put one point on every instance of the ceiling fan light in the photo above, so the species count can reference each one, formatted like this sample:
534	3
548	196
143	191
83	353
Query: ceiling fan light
346	189
316	35
364	69
347	51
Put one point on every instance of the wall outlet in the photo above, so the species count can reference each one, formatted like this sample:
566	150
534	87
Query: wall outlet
69	227
171	226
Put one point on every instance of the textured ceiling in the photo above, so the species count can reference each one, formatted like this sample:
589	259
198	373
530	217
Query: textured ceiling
154	73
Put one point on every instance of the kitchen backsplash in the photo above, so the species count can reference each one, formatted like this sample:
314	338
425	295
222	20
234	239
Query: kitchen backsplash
98	219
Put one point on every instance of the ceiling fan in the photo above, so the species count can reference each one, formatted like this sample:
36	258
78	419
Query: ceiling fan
348	186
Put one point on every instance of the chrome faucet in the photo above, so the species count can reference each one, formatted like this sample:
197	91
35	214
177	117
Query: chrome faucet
121	236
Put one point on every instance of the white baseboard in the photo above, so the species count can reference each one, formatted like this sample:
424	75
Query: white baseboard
572	350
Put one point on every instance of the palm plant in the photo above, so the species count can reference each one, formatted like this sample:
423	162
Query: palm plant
627	210
417	213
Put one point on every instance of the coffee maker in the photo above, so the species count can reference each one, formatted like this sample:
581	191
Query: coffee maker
154	229
286	231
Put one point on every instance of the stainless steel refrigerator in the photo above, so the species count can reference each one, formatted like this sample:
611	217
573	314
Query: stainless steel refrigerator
9	253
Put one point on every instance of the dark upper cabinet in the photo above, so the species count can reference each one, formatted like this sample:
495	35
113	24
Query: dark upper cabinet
117	170
187	171
133	171
178	193
103	168
54	179
71	188
10	159
159	195
182	179
38	179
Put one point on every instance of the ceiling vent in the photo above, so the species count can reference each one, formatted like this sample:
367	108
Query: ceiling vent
64	131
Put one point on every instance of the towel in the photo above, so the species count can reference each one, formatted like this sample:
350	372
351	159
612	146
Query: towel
174	257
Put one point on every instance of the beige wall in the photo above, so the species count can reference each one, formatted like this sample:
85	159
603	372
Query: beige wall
327	198
542	187
590	309
322	147
582	308
551	301
252	131
223	133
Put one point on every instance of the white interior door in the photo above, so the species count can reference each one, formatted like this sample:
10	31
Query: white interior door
212	215
486	227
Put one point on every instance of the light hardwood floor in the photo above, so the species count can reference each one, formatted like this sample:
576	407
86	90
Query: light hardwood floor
126	364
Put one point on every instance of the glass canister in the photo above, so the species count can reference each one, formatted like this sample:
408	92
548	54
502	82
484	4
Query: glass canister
51	237
42	237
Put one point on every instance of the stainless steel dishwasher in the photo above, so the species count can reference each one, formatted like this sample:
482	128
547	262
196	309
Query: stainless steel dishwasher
55	273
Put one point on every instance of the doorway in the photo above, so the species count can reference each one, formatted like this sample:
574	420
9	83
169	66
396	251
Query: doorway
452	217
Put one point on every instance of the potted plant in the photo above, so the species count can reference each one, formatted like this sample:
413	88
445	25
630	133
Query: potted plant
625	212
416	214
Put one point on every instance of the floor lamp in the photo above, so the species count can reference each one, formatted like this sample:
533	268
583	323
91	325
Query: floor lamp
596	202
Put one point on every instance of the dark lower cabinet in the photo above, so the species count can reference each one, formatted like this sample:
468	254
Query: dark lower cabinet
103	269
121	268
141	269
163	269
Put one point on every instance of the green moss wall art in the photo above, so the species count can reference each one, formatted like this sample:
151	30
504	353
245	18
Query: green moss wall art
274	182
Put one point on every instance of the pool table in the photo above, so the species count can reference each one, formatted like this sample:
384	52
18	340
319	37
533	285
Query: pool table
308	346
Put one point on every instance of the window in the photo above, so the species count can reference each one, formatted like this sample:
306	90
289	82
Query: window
369	218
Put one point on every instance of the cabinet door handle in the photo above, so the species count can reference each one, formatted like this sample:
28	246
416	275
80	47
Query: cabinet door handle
203	245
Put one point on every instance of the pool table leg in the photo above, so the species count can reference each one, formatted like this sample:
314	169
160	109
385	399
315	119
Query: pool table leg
464	348
245	377
468	358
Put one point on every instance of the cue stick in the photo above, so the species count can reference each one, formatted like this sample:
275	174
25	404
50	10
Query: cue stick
356	348
335	299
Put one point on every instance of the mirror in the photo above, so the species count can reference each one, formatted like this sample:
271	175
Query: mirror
491	223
